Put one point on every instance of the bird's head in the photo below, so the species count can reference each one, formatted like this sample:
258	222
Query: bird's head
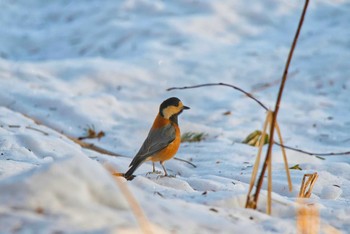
171	107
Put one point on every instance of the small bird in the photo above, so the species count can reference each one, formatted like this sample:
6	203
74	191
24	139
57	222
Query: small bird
163	139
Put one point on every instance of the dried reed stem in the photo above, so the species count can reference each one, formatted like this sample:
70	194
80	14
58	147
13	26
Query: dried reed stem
307	185
308	219
257	160
269	186
286	167
135	207
141	218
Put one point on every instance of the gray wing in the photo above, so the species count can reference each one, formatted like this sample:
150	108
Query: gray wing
156	140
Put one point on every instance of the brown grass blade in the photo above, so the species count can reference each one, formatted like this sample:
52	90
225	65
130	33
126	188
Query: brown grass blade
306	187
308	219
141	218
257	160
286	167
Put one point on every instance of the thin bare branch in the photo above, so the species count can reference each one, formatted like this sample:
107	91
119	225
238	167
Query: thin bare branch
186	161
312	153
221	84
38	130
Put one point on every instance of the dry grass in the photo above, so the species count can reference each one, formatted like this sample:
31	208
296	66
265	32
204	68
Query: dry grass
193	136
296	167
253	139
286	168
90	133
141	218
250	202
307	185
308	219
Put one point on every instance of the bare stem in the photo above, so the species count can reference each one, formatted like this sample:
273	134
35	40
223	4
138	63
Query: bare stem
185	161
312	153
222	84
279	97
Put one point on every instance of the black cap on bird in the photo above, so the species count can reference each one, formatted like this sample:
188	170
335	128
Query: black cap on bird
171	108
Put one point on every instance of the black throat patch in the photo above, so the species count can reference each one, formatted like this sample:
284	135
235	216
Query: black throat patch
174	119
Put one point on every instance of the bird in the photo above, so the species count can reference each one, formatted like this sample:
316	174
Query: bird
163	139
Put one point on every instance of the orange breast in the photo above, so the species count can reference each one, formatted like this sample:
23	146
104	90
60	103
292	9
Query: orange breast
160	122
169	151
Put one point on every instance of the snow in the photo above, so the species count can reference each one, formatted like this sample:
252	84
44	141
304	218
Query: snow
72	65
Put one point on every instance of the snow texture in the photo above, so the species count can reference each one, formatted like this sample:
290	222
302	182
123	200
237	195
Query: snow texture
69	65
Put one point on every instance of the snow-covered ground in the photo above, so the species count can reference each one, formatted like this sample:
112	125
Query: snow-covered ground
73	64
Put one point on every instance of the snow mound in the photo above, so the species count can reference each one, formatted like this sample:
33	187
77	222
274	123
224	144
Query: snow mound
71	193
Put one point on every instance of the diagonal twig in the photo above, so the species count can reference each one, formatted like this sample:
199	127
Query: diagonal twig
186	161
312	153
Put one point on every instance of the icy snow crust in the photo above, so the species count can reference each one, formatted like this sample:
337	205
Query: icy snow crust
74	64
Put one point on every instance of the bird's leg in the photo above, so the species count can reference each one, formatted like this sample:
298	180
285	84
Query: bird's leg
154	170
165	172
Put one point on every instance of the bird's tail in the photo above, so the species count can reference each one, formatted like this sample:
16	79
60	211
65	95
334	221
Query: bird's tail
129	174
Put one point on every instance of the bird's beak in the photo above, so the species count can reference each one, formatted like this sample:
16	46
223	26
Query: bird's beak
185	108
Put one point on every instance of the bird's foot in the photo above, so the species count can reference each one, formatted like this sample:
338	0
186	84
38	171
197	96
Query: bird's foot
167	175
130	177
153	173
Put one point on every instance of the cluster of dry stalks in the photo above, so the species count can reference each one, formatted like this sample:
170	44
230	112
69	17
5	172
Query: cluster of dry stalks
251	202
308	217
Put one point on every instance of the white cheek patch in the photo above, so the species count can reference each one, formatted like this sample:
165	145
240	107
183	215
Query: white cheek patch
170	110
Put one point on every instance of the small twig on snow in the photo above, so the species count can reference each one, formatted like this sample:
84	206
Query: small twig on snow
183	160
313	153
